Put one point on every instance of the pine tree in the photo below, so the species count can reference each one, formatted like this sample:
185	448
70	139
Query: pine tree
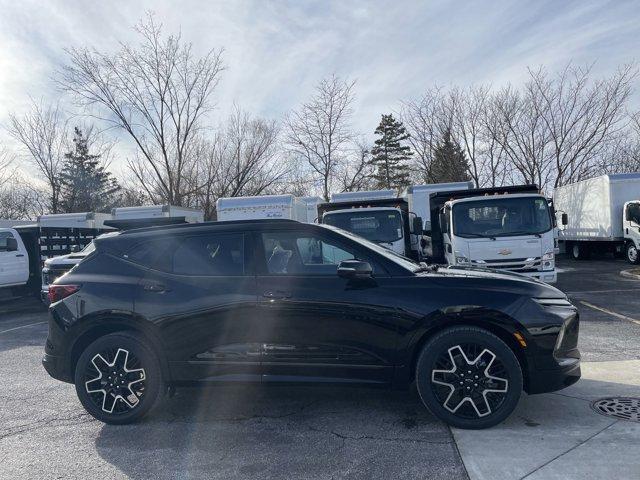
389	156
449	161
85	185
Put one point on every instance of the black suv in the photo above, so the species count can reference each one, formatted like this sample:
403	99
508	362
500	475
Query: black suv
277	301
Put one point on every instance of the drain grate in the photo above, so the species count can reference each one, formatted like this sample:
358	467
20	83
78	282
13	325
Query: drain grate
624	408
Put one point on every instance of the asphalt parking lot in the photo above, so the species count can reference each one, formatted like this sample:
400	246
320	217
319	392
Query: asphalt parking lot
327	433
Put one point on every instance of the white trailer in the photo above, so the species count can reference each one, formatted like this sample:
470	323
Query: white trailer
261	207
311	207
191	215
418	198
88	220
602	214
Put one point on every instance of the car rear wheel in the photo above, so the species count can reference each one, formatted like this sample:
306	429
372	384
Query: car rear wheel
632	254
469	378
118	378
579	251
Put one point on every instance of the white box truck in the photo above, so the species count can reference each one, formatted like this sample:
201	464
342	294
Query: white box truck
506	228
189	215
311	207
261	207
418	198
602	214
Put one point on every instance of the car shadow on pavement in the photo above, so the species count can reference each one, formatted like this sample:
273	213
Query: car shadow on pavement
283	432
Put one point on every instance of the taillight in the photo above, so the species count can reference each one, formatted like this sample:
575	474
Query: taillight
58	292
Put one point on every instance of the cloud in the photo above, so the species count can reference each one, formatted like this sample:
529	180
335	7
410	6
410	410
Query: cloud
276	51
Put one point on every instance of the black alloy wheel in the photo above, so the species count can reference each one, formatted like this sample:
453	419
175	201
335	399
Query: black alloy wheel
469	378
118	378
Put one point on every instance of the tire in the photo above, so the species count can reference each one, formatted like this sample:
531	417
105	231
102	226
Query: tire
138	378
579	251
631	254
489	401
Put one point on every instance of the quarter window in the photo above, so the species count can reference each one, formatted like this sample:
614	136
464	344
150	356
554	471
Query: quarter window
302	254
4	241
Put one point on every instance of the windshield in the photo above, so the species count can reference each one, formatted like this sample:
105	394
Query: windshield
90	247
393	256
501	217
378	226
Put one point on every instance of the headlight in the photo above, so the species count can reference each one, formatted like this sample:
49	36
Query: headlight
548	261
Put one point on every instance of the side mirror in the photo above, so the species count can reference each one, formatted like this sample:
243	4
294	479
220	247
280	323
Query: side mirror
565	219
417	225
12	244
427	226
75	248
351	269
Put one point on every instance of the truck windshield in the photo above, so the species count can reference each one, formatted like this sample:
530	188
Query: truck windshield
377	226
499	217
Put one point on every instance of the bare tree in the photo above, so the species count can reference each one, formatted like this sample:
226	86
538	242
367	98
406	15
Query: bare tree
426	119
319	132
22	200
158	93
241	161
582	117
357	172
42	134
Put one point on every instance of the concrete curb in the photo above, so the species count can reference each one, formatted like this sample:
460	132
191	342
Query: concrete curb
630	274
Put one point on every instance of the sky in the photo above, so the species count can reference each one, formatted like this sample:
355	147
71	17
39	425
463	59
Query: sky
276	51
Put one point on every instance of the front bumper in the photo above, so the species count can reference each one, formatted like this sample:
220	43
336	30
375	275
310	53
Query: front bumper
550	276
542	381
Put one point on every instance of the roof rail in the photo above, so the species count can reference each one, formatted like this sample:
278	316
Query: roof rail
207	224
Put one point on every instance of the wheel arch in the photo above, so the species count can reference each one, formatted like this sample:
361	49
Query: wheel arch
112	322
498	328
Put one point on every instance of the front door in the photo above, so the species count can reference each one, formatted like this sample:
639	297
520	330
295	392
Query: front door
318	326
14	262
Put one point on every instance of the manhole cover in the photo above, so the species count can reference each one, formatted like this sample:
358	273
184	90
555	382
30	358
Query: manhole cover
624	408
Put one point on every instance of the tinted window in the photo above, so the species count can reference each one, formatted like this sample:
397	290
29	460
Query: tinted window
301	253
154	254
214	254
4	237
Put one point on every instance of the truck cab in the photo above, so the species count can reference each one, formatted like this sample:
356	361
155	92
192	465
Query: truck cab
14	259
631	229
509	231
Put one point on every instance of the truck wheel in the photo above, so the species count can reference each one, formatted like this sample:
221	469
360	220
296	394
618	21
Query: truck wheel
579	251
118	378
469	378
632	254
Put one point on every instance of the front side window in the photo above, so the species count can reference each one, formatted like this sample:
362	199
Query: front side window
502	217
5	238
633	213
377	226
298	253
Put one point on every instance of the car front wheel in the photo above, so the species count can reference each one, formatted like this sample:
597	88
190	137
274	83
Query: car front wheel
469	378
632	254
118	378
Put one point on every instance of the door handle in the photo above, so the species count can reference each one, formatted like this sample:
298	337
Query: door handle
276	295
155	288
19	254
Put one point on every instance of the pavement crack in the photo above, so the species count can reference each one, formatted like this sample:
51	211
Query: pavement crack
47	422
569	450
570	396
345	437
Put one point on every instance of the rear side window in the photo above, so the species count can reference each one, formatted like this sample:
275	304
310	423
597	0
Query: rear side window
5	240
154	254
214	254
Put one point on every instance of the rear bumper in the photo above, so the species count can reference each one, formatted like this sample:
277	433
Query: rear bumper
542	381
54	365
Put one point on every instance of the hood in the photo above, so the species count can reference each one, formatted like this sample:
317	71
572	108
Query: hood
499	279
68	259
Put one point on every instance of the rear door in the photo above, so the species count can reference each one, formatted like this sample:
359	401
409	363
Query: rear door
201	294
318	327
14	261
